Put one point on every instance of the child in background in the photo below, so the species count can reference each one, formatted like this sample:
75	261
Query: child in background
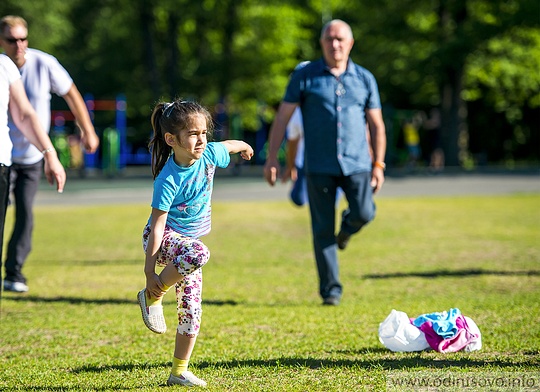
183	166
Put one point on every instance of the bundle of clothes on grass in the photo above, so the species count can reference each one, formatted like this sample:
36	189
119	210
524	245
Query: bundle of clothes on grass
445	332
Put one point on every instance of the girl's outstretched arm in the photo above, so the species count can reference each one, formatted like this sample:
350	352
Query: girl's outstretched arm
239	146
157	228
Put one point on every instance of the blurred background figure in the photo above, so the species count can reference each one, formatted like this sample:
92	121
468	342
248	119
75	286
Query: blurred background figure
41	75
337	98
432	126
14	99
411	136
295	158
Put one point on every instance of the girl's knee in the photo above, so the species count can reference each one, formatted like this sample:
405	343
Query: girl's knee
191	256
196	259
201	251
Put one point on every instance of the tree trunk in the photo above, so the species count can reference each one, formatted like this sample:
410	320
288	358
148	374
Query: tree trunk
454	136
454	118
173	54
146	21
228	34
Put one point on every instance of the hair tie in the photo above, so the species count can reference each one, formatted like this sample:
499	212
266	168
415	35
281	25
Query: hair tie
167	109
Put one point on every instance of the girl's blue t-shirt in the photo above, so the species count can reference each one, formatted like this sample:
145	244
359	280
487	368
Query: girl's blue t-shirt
185	192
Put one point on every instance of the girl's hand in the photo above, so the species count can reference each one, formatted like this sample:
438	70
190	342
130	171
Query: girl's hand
154	287
247	153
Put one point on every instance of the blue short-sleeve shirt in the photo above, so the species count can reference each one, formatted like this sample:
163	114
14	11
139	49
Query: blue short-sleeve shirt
334	114
185	192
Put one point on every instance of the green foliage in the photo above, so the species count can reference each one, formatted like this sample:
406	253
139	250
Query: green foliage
241	53
79	328
48	21
262	78
506	68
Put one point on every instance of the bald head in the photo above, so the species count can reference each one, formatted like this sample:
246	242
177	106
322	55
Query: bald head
346	28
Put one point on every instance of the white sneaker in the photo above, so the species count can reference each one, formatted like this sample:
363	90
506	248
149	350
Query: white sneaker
16	287
152	315
186	379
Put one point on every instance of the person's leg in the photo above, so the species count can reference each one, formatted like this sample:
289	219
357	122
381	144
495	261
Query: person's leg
187	255
180	256
180	375
4	196
299	189
322	199
184	346
24	184
184	257
361	208
189	300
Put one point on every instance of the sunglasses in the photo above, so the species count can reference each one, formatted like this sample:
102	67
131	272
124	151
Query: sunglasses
15	40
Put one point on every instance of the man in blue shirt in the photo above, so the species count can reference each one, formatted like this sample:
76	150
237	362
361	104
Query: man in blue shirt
338	98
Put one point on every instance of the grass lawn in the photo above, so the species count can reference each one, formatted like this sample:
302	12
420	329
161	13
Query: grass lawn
79	327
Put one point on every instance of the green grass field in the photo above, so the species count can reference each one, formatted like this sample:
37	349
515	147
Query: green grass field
79	327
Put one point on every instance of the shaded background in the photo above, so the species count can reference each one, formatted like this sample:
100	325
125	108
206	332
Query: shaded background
477	61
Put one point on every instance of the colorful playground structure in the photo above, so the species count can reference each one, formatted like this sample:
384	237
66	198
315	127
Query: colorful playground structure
113	154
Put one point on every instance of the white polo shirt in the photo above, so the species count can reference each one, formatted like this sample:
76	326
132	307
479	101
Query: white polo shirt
8	75
41	75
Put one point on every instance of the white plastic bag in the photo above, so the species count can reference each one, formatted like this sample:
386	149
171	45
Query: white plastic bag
476	344
397	333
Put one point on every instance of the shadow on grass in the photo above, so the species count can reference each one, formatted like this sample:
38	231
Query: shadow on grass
391	361
456	273
399	361
408	362
96	301
120	367
72	388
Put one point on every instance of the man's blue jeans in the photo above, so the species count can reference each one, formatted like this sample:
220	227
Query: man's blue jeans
322	190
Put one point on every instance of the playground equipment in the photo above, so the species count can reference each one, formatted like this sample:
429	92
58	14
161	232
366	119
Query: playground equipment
111	157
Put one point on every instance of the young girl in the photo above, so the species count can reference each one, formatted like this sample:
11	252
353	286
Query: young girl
183	165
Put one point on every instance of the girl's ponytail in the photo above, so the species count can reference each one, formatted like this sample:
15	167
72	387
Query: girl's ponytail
158	147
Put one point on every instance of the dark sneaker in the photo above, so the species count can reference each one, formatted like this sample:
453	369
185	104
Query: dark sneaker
342	239
331	301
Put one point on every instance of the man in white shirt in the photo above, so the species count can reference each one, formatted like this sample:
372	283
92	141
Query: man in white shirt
295	157
14	99
41	75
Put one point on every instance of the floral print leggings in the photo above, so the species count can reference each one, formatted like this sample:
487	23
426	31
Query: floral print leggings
189	255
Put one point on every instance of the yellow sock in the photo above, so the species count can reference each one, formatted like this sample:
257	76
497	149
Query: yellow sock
165	287
179	366
156	301
153	301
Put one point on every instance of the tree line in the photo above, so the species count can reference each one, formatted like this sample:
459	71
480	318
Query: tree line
477	61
